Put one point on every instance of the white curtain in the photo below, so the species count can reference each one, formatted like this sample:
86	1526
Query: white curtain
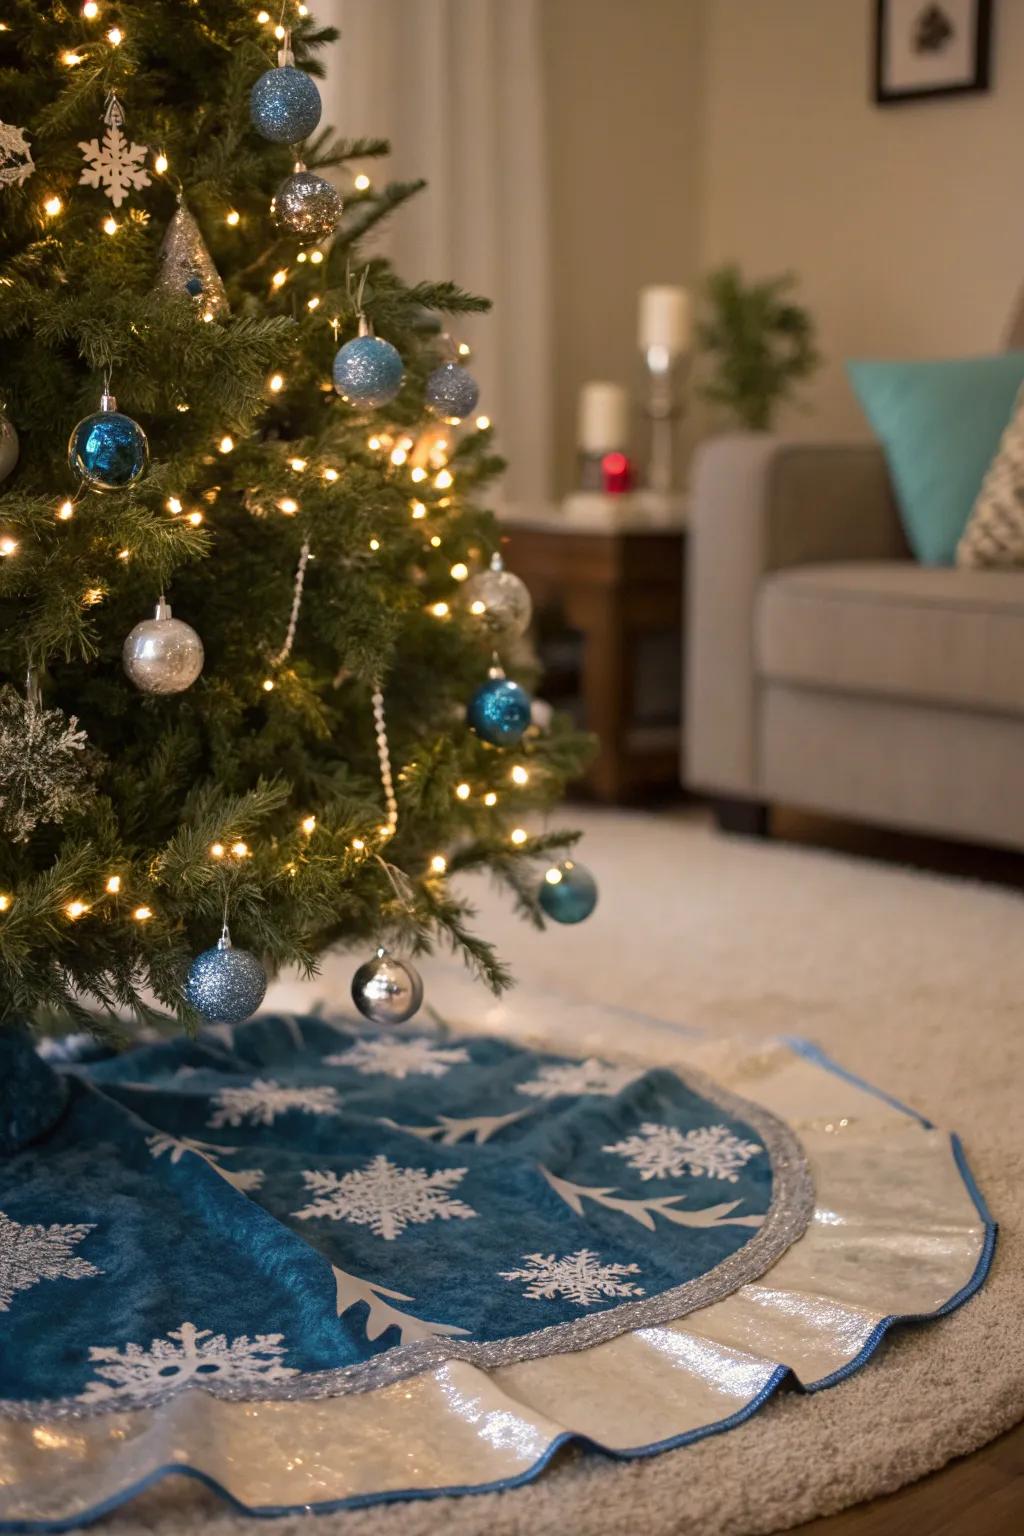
457	87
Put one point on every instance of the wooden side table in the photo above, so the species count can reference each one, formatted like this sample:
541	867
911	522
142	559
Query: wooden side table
621	589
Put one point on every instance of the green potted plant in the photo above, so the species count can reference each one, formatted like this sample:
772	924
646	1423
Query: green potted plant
758	342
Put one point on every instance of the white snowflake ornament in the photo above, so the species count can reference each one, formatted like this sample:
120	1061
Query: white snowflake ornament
115	165
29	1254
16	163
42	767
578	1277
188	1354
385	1198
662	1152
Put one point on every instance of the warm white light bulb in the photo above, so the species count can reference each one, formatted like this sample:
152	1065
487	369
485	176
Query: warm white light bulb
90	10
113	885
52	207
316	257
66	511
275	383
8	546
418	509
330	475
459	571
174	505
438	864
110	226
520	775
490	798
483	422
288	505
298	465
309	825
418	474
142	914
362	182
226	443
439	610
161	163
115	37
462	791
518	836
279	278
233	217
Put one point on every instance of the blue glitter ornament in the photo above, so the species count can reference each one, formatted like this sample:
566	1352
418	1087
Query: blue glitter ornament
108	450
499	711
452	393
194	285
285	104
224	984
568	892
368	371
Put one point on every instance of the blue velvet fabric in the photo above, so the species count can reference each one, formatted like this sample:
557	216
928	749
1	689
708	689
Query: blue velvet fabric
222	1181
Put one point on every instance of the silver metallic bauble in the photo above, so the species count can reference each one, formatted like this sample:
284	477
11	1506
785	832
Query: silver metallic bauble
163	654
186	266
387	990
9	446
224	984
500	600
307	206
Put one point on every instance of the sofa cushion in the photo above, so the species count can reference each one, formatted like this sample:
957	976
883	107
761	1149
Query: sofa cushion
939	422
898	629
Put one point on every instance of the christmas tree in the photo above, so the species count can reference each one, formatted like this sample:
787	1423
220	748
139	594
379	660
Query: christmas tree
274	492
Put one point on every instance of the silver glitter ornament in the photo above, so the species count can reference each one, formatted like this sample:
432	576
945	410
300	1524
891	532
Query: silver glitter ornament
224	984
285	104
387	990
500	600
306	205
452	393
187	269
163	654
9	446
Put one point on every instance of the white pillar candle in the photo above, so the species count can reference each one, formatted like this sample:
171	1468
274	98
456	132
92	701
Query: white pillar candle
604	417
665	319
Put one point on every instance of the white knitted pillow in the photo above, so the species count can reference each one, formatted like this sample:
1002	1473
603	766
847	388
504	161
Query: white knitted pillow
995	529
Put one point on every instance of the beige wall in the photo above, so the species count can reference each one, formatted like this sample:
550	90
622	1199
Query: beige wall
623	105
905	224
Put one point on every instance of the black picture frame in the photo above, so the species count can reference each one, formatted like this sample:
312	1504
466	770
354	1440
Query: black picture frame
888	94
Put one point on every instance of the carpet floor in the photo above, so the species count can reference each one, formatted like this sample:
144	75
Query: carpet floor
914	981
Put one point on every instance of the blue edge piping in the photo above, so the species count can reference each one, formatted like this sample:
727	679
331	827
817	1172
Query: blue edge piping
778	1377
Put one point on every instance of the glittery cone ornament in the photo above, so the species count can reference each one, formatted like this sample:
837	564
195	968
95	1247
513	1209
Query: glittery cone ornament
186	266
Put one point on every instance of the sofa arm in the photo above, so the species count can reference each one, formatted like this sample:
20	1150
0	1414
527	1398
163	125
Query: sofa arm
761	503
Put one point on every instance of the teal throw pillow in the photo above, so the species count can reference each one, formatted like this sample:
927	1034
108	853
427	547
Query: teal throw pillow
940	424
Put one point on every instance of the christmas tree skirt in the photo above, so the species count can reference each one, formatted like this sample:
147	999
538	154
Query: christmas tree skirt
316	1267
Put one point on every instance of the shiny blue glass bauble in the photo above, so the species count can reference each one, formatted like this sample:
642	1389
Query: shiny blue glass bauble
452	393
225	985
285	105
499	712
108	450
568	892
368	371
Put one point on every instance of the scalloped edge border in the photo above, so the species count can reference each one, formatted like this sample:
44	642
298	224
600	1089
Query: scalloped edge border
783	1374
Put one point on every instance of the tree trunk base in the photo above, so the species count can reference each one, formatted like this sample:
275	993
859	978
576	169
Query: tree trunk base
32	1094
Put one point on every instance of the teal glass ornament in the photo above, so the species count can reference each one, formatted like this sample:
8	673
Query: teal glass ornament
499	710
108	450
452	393
225	985
284	104
368	371
568	892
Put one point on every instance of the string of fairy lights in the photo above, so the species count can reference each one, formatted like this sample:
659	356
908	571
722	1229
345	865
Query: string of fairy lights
422	460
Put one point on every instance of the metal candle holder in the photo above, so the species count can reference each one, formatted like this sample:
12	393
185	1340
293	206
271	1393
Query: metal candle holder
666	376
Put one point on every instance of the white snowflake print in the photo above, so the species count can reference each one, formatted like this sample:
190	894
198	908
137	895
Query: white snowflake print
579	1277
262	1100
29	1254
187	1354
663	1152
246	1180
162	1141
115	165
386	1198
590	1076
399	1058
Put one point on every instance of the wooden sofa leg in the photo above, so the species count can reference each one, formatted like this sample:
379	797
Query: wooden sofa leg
747	818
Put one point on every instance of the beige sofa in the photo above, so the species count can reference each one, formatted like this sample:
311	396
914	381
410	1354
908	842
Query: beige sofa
827	670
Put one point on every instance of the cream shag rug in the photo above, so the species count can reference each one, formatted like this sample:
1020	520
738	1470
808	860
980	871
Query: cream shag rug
913	981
